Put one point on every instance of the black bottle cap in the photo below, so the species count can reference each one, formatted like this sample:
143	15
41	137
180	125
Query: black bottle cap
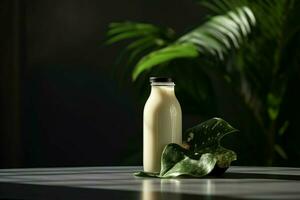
160	79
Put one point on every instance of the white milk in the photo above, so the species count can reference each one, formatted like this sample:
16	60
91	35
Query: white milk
162	123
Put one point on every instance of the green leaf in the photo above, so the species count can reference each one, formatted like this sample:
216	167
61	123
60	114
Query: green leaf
163	55
142	38
273	102
172	154
283	128
117	28
221	30
192	167
140	42
132	30
146	174
216	37
126	35
280	151
207	134
204	154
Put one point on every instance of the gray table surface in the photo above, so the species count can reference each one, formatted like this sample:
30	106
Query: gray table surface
119	183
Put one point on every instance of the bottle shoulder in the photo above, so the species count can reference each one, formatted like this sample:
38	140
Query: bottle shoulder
163	102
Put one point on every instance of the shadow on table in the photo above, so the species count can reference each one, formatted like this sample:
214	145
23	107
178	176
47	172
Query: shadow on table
12	191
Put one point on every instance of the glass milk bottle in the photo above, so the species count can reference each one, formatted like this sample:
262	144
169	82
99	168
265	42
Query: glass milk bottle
162	122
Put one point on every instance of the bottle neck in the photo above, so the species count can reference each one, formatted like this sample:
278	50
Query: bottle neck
163	89
162	84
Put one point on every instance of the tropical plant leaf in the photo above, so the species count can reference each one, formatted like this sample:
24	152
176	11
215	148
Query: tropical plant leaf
203	155
216	37
184	50
222	6
120	27
217	33
207	134
142	38
283	128
141	33
126	30
280	151
195	167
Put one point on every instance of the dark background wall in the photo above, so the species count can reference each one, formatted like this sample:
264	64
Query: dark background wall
61	104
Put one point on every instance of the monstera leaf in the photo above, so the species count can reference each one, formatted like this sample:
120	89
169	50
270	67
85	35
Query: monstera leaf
201	153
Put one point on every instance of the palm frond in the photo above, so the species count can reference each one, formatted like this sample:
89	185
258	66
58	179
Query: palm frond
127	30
216	37
222	6
141	37
140	33
180	50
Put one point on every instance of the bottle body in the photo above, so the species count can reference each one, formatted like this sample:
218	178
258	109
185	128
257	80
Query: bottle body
162	124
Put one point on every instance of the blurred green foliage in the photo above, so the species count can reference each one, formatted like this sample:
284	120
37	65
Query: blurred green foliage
250	47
